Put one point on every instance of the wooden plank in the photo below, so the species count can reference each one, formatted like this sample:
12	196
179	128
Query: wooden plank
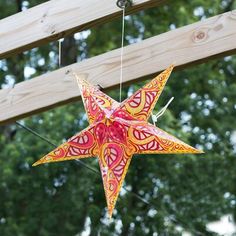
210	38
56	19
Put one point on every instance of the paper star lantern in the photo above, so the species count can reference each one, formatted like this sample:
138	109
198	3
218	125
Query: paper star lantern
116	132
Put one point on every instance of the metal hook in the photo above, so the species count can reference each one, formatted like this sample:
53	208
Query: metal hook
124	3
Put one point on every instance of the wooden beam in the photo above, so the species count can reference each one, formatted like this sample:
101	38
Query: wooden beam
210	38
56	19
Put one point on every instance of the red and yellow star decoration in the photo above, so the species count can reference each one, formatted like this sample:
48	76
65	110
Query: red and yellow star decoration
116	132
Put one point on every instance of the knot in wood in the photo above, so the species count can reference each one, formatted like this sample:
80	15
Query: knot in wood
200	35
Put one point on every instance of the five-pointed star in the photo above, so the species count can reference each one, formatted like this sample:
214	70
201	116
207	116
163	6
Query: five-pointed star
116	132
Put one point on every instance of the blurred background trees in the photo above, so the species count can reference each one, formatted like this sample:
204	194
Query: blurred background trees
186	192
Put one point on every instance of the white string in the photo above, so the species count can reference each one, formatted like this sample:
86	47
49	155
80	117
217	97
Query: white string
122	51
161	112
59	52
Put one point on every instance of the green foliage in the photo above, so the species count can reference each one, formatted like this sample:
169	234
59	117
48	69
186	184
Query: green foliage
185	192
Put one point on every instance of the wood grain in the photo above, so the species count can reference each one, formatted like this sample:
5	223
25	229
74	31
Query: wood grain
55	19
201	41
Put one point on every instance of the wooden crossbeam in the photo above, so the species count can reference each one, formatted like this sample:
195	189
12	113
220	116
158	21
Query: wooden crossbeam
56	19
210	38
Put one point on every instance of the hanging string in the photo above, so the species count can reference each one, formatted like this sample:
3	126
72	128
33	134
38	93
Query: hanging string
161	112
122	51
59	52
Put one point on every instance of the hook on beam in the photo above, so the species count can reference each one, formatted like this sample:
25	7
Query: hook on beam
124	3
